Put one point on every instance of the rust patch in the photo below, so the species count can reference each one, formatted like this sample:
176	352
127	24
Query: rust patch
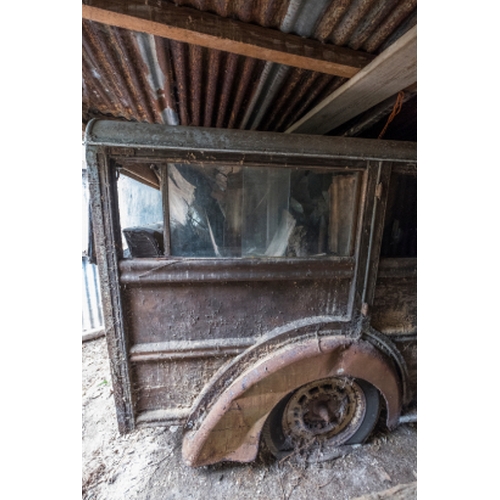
178	53
196	77
231	428
350	21
396	17
214	58
330	19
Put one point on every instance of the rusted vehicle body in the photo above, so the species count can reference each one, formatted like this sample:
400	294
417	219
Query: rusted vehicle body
269	295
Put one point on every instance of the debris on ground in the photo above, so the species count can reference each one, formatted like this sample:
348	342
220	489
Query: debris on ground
399	492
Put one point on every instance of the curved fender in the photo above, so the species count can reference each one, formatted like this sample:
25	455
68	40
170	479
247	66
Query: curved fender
230	430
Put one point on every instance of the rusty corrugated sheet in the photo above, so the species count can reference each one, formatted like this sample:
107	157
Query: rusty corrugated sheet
267	13
140	77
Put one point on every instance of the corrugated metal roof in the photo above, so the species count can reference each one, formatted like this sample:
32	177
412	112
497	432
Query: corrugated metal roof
140	77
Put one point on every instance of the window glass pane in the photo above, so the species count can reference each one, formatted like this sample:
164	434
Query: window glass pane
400	228
202	207
267	223
233	211
141	218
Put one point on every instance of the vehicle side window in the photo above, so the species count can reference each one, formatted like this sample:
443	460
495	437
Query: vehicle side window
400	228
235	211
141	218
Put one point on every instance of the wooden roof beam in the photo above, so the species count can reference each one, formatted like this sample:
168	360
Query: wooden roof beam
192	26
393	70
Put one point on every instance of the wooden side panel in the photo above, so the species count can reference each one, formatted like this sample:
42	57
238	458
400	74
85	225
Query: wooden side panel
394	309
180	311
172	384
395	306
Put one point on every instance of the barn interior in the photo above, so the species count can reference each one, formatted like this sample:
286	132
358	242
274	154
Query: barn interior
345	68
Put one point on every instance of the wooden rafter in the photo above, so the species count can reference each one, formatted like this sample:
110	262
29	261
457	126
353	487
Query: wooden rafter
208	30
391	71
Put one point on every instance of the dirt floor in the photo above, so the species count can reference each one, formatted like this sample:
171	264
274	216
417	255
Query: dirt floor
147	464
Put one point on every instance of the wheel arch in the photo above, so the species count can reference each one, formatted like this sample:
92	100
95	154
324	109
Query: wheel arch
226	422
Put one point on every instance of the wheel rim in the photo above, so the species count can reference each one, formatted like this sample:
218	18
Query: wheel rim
327	411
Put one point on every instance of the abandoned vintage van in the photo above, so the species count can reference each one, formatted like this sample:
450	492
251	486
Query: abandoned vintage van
258	288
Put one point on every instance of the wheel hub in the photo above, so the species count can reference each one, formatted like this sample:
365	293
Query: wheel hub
324	410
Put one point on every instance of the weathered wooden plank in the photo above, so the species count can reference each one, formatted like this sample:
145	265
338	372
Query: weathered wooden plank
141	173
97	333
392	71
208	30
399	492
102	184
